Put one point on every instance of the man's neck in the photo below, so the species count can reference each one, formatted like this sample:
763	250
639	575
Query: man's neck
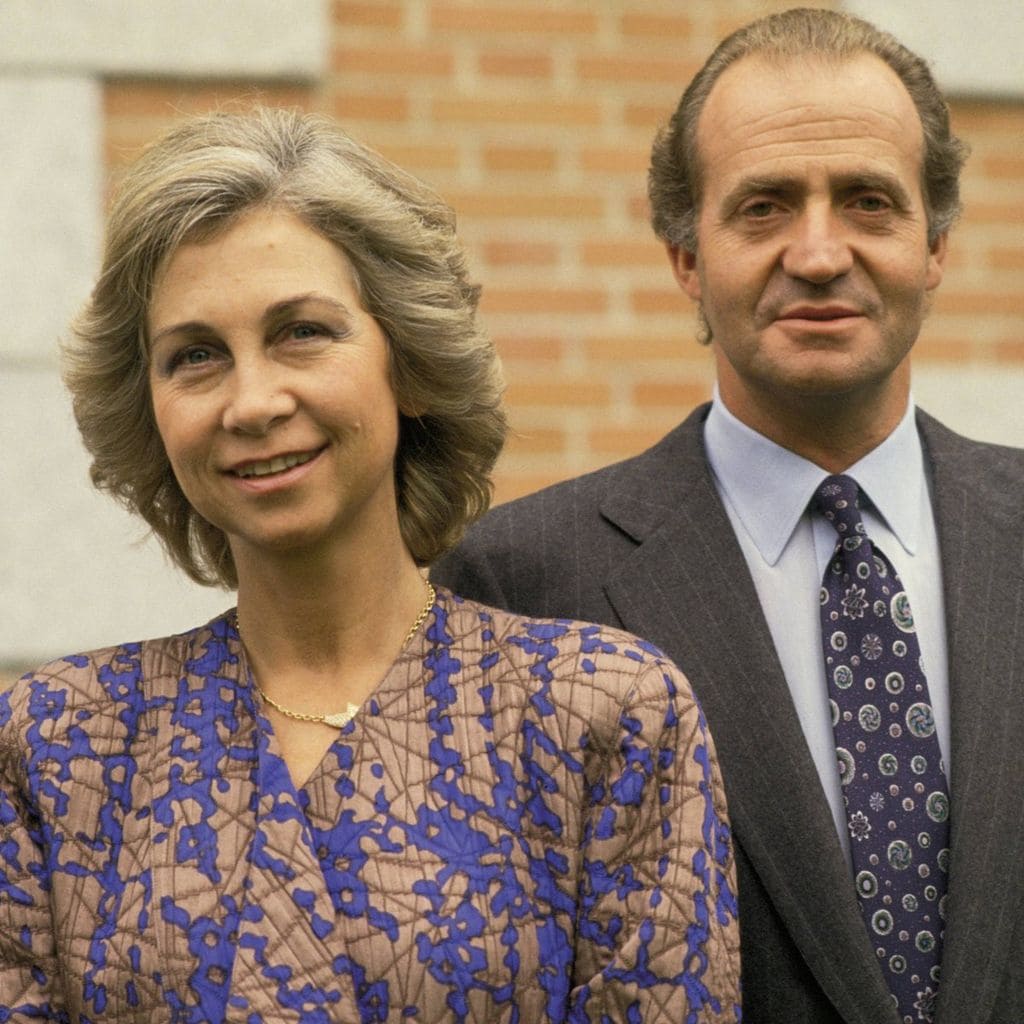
832	431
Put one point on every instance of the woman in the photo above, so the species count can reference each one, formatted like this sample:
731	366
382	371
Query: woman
353	798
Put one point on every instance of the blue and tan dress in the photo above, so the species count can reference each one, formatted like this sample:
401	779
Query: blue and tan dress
524	823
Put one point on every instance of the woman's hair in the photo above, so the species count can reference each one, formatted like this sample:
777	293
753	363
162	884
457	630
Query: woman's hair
674	180
411	276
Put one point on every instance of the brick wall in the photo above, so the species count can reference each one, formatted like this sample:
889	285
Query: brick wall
535	120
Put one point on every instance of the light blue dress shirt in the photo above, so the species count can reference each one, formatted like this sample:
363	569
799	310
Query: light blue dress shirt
766	490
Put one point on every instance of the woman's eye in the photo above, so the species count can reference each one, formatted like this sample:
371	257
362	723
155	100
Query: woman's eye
195	355
304	331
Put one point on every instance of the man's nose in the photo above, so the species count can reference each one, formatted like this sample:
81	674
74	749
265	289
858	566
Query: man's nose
258	397
818	249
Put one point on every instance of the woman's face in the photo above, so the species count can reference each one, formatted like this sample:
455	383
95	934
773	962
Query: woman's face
271	390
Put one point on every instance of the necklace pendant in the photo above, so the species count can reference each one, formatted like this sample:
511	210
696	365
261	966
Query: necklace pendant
341	718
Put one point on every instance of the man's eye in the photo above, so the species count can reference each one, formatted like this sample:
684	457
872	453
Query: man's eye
872	204
759	209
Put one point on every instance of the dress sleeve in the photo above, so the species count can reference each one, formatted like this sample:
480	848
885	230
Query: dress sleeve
30	976
658	937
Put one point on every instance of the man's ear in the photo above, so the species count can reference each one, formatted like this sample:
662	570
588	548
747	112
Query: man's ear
936	260
684	268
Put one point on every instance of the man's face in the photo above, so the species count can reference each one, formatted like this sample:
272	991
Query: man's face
813	264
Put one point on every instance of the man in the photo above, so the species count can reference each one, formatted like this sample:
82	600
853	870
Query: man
805	189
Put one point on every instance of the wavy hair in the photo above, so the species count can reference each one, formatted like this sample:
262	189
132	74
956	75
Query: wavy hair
411	274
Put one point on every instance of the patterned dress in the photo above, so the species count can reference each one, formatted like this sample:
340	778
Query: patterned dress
524	823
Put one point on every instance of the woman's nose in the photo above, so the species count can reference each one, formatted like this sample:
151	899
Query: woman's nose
258	397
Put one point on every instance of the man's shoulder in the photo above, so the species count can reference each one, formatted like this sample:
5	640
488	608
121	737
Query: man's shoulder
979	466
642	477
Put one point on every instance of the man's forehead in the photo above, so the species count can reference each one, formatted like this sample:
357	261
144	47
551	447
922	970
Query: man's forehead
764	108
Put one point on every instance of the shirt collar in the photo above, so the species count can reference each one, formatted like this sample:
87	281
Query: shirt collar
769	487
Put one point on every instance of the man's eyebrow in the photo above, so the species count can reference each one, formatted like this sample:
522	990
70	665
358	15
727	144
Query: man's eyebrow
854	181
273	312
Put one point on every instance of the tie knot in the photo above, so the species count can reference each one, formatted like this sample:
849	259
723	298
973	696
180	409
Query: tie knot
837	500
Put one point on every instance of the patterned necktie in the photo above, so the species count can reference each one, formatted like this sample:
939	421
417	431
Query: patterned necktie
890	767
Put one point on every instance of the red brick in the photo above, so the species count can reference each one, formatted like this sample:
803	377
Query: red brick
626	252
516	65
505	253
523	206
502	110
348	13
550	391
543	300
392	60
371	107
658	26
530	348
615	68
660	300
519	158
478	17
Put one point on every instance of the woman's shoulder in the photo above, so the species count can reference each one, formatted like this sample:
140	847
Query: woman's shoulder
74	682
587	663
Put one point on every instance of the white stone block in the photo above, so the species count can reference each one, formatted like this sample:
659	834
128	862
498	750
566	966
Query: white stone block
50	199
76	571
208	38
973	49
983	402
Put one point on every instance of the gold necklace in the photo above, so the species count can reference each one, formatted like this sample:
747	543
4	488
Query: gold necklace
341	718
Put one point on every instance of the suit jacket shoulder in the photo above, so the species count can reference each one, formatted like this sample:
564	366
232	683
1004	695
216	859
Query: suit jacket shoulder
547	553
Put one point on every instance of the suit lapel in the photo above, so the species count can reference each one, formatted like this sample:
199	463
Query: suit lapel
983	568
687	588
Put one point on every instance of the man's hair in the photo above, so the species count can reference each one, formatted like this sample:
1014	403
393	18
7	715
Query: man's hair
674	181
411	277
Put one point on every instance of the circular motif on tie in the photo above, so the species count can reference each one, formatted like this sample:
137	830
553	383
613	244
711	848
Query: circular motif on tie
899	648
842	676
920	721
879	608
851	544
823	596
900	608
887	764
943	859
924	840
899	854
930	892
834	710
925	941
909	902
847	765
880	567
871	646
937	806
881	922
838	641
870	717
867	885
863	569
919	764
897	963
894	682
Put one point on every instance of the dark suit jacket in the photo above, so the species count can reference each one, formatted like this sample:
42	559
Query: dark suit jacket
646	544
